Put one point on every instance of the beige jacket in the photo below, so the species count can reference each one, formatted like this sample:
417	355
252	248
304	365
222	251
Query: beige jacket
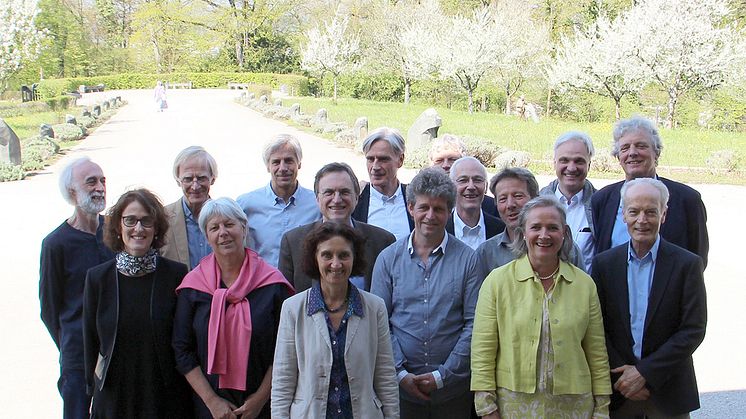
177	247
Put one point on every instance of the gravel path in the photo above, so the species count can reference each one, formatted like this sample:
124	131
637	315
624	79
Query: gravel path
137	147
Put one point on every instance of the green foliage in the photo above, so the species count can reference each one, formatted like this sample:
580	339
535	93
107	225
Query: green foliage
360	85
36	151
9	172
67	132
86	121
297	85
11	109
59	103
484	150
27	125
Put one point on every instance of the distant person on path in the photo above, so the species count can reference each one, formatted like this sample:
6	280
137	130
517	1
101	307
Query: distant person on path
66	255
444	151
283	204
195	172
638	146
128	317
654	307
337	191
383	202
572	159
159	95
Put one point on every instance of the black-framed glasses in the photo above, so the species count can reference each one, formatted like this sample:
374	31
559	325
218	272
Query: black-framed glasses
188	180
131	221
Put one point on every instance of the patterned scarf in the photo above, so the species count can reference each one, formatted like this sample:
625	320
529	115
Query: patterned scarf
136	265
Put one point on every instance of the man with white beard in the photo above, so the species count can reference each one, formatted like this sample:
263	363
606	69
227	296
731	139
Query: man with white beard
66	254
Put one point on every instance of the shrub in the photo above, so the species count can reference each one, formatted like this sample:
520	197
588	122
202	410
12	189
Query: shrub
86	121
483	150
11	109
726	160
67	132
59	103
9	172
604	162
418	158
512	158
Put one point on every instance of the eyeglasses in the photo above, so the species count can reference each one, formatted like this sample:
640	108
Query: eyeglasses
188	180
131	221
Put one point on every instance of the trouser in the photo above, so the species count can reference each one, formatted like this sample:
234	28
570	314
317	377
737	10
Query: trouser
646	409
76	403
457	408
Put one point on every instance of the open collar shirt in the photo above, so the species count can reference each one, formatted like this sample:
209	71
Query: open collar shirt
270	217
196	241
578	222
472	236
639	280
389	212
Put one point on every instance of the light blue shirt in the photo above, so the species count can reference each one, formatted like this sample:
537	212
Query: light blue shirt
431	310
620	234
639	280
270	217
389	212
196	241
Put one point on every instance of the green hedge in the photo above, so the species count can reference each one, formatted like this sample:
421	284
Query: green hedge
297	85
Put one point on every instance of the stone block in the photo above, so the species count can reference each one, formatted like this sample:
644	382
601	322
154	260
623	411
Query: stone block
424	129
45	130
10	145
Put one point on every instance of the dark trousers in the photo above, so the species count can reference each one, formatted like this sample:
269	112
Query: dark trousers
631	409
76	403
457	408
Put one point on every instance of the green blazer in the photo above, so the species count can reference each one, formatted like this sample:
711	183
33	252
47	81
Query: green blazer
507	328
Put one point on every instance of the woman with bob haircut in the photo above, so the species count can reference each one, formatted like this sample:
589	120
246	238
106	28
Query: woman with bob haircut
227	315
538	347
334	356
128	313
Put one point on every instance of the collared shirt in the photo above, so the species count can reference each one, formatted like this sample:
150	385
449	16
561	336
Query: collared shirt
389	212
494	253
639	280
431	310
472	236
339	401
619	234
270	217
196	241
578	222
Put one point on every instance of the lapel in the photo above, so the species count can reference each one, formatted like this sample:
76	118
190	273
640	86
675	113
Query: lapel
493	226
620	288
353	324
178	229
320	321
449	223
406	209
363	205
661	276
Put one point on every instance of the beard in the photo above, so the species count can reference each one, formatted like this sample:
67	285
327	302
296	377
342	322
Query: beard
89	205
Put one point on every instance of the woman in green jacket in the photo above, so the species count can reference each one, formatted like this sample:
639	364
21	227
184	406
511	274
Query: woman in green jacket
538	347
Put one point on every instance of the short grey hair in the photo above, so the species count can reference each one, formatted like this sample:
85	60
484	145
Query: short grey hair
390	135
637	123
657	184
447	142
280	141
575	136
532	186
463	160
545	201
432	182
223	207
66	178
195	152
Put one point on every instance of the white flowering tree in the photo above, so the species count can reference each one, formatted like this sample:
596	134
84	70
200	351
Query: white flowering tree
331	49
684	45
600	60
20	40
470	50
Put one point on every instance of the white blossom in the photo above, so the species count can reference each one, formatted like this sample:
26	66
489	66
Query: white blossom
20	40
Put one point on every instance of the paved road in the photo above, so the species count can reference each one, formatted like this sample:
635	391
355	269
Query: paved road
137	147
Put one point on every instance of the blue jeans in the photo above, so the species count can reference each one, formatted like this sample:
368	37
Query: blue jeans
76	403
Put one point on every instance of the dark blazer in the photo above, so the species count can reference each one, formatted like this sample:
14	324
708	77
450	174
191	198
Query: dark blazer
101	315
489	206
492	225
291	252
674	324
363	204
686	218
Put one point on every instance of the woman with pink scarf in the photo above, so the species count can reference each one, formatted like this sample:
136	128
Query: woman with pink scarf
227	315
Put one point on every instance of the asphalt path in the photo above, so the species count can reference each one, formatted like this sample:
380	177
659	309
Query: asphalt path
136	148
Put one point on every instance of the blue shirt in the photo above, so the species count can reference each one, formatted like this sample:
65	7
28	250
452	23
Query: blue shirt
619	234
270	217
339	401
431	310
639	280
196	241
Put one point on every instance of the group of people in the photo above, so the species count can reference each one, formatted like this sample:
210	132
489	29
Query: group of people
382	299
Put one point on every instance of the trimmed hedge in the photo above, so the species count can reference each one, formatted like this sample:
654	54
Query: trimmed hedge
297	85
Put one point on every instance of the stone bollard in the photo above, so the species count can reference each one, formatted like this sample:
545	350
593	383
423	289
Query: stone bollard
45	130
97	111
278	102
360	129
252	96
70	119
424	129
86	112
10	145
321	117
295	109
263	99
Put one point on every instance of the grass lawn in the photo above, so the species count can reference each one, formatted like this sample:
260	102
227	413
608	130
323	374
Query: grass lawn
26	126
684	157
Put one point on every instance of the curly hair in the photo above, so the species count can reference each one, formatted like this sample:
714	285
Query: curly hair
153	206
324	232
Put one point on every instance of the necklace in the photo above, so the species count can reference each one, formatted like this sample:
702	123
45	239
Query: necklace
335	310
550	276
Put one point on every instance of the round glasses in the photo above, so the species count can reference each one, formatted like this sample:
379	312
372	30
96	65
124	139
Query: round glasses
131	221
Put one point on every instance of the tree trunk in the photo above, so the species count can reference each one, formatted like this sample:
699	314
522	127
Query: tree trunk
673	98
471	100
508	99
335	88
549	103
239	54
407	86
618	108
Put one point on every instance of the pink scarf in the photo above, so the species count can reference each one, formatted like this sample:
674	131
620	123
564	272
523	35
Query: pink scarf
229	329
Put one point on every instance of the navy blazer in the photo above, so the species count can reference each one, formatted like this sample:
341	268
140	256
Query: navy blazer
363	205
101	316
493	226
686	218
489	206
674	324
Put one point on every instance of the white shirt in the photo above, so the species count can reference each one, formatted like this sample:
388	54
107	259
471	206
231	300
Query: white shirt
578	222
471	236
389	212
